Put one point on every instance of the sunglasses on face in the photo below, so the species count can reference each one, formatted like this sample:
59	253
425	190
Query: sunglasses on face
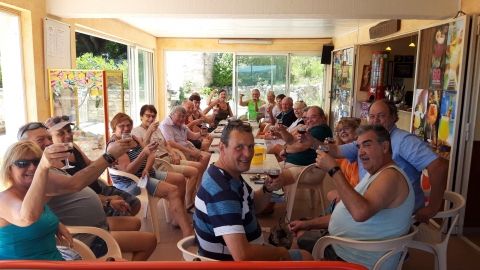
25	163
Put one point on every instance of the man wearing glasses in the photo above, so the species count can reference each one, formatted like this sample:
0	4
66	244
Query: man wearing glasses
225	223
299	151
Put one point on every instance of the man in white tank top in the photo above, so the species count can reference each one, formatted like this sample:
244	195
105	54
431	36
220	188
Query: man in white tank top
379	207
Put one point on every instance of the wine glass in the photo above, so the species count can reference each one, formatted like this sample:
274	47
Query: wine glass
273	173
126	136
280	121
67	164
302	130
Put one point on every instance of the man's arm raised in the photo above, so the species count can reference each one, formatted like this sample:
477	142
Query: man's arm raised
64	183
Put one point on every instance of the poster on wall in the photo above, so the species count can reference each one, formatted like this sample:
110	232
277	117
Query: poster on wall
431	120
453	55
420	103
446	126
79	94
438	57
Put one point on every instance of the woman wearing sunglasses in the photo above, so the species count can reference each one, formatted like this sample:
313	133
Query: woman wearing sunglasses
27	226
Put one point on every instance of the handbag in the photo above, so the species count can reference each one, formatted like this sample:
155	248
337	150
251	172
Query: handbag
280	235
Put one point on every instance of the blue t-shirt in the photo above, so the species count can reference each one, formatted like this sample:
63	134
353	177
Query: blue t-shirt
410	153
308	156
223	206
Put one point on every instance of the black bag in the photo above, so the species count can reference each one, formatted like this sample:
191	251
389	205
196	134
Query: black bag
281	236
309	238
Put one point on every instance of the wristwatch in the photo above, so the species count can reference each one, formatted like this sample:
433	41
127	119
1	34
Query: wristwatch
108	158
333	170
265	189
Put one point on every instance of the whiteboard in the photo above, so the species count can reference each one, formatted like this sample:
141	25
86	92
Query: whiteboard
56	44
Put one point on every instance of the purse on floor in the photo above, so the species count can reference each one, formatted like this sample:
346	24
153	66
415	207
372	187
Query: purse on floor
280	235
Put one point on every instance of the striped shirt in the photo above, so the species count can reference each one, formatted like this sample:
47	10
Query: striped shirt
223	206
125	183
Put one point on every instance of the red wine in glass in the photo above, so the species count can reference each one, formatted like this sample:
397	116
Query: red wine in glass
273	173
302	130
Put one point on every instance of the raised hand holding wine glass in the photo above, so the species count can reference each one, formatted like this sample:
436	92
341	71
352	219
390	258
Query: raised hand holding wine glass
273	181
70	151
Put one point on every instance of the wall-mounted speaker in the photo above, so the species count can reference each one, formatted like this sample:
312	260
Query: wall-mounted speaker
327	54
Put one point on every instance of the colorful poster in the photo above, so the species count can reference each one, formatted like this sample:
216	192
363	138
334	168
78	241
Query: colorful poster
420	103
453	55
431	121
447	119
438	57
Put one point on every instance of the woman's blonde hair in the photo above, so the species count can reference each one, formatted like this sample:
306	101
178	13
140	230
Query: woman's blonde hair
351	122
15	152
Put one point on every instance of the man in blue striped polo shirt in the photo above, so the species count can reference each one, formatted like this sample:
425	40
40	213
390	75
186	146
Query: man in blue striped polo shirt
225	224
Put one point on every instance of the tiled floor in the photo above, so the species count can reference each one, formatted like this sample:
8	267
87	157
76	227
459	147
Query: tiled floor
461	256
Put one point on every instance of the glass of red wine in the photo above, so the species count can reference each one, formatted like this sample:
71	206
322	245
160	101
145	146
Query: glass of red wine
273	173
302	130
67	164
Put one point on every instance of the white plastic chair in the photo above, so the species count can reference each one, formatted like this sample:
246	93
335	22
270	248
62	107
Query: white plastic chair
311	177
188	248
85	252
390	247
149	203
431	237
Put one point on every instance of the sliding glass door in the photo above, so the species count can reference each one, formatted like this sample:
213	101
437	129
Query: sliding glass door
265	72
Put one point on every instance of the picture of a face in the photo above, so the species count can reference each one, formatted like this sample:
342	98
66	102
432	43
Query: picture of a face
440	36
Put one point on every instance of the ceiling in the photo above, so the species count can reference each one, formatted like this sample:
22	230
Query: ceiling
245	28
252	18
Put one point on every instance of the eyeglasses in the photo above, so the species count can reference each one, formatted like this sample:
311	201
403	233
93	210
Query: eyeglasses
25	163
28	127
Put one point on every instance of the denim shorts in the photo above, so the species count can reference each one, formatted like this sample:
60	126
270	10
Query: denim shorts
154	181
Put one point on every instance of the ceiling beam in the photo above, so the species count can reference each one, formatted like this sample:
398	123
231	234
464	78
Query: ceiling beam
257	9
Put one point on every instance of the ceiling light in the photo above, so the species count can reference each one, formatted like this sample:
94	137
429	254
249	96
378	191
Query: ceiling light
411	45
253	41
388	48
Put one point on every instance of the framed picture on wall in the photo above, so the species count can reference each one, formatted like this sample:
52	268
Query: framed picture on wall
365	86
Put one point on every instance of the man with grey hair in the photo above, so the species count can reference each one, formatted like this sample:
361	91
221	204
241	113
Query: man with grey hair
177	134
253	104
298	152
378	208
287	116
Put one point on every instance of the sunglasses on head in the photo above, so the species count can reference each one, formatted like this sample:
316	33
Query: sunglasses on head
25	163
58	119
237	123
30	126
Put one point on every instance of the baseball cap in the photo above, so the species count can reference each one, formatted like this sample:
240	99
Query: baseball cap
57	122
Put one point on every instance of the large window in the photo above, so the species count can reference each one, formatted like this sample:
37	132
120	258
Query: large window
298	76
307	79
135	63
199	72
12	93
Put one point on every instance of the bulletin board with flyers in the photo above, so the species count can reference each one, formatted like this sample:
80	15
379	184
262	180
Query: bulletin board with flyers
437	97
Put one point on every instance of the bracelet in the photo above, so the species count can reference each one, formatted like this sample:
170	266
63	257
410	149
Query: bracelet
265	189
333	170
